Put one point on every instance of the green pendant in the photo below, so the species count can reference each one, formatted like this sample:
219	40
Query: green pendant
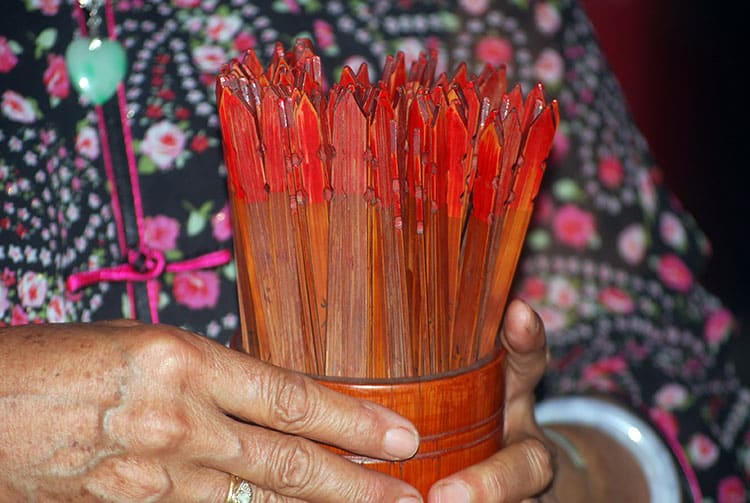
95	66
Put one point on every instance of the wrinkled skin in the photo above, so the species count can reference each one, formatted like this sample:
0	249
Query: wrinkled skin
122	411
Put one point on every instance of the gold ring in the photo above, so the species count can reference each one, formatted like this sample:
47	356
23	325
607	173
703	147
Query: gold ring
240	490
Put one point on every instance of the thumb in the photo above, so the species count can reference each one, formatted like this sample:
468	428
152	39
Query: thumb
524	339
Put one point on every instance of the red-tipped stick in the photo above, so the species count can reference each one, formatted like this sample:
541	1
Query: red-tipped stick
476	244
449	194
418	128
389	290
495	256
245	173
292	350
531	164
313	209
347	333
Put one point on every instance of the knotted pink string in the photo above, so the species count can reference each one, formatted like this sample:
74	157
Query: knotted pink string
145	265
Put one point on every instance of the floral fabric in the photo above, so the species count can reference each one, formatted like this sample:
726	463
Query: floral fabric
611	261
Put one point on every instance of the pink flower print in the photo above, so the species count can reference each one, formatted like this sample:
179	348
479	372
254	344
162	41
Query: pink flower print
611	172
48	7
702	451
475	7
647	191
544	208
547	18
56	79
631	244
494	50
56	310
560	146
209	58
8	277
8	59
19	316
244	42
222	28
549	67
161	232
731	490
616	300
221	224
17	108
163	143
718	326
553	318
87	142
671	396
323	33
534	289
292	6
664	421
199	143
598	373
561	293
4	303
186	4
674	273
32	289
573	226
672	231
614	364
196	289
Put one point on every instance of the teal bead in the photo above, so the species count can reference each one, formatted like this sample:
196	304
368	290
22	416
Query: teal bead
96	66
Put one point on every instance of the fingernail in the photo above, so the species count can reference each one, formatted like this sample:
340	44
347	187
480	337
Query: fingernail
453	493
410	499
401	443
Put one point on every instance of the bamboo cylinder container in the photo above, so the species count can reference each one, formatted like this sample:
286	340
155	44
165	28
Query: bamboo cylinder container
459	416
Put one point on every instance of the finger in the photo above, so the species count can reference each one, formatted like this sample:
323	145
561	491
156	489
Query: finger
520	470
524	339
204	485
290	402
295	467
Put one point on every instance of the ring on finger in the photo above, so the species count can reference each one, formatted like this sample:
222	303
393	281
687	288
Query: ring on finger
240	490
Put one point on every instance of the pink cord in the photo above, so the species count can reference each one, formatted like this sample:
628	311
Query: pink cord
144	265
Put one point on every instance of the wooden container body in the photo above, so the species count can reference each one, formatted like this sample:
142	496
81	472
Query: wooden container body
459	417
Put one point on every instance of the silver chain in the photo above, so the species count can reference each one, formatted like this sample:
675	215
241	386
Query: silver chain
94	21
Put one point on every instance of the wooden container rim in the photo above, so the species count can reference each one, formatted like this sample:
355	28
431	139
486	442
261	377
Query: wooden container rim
496	355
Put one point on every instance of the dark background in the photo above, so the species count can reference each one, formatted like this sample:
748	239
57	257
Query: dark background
682	68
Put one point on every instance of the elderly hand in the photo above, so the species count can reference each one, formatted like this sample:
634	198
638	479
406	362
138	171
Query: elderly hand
122	411
524	468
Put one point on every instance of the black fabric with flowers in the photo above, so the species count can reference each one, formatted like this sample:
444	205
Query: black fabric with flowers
611	259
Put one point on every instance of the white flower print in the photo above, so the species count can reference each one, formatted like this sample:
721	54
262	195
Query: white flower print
631	244
164	141
32	289
547	18
222	28
672	231
702	451
671	396
209	58
17	108
87	143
